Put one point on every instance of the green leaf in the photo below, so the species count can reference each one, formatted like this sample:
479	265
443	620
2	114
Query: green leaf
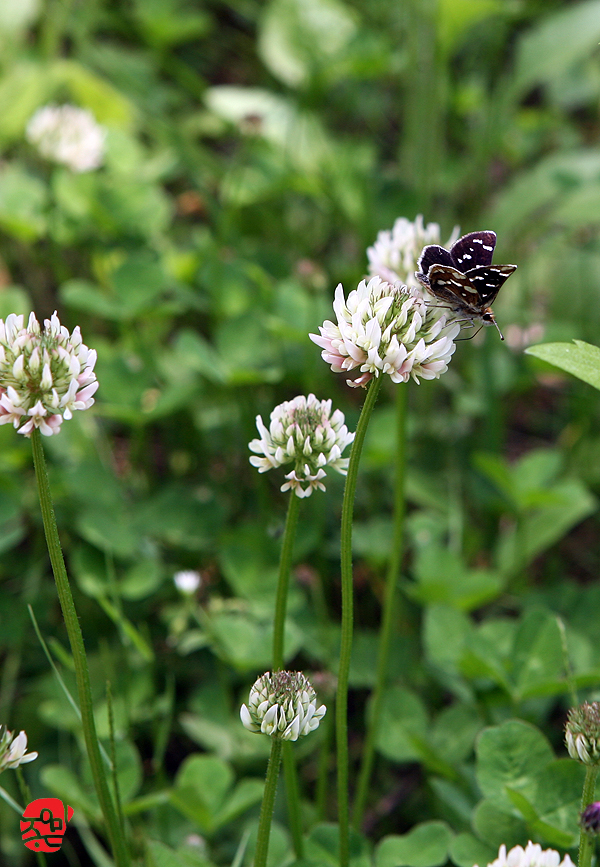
23	203
466	850
579	358
510	755
403	720
538	657
426	845
443	579
322	847
496	826
201	785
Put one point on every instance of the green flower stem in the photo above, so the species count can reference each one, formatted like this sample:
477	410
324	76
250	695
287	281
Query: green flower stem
586	841
388	611
341	711
82	675
285	565
293	798
268	802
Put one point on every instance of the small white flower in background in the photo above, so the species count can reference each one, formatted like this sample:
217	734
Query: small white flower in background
68	135
13	750
44	375
284	705
303	432
395	253
532	856
386	328
187	581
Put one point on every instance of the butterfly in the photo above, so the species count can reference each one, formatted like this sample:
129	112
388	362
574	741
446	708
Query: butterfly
463	278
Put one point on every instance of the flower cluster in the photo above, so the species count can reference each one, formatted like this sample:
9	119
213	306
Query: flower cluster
13	750
386	328
283	705
68	135
395	253
44	375
590	818
582	733
303	432
532	856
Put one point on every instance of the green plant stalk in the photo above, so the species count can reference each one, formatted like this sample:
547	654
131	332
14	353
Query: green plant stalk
82	674
268	802
341	709
283	582
586	841
388	611
293	798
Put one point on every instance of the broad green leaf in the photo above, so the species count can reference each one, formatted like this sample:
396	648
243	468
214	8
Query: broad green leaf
510	755
426	845
403	721
63	784
322	847
443	579
466	850
538	656
201	786
579	358
161	855
445	632
23	203
497	827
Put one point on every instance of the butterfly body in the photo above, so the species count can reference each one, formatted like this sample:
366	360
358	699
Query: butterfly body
463	278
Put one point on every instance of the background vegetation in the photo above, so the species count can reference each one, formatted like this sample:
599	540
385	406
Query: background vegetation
254	151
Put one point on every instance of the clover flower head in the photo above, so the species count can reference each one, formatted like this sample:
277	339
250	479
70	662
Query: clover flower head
68	135
282	705
395	253
531	856
187	581
45	375
582	733
13	750
386	328
303	431
590	818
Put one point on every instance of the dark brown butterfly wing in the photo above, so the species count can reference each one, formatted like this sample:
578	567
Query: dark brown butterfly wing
470	293
473	250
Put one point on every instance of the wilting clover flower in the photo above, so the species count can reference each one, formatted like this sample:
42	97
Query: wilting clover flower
582	733
395	253
303	432
532	856
283	705
13	750
68	135
590	818
386	328
45	375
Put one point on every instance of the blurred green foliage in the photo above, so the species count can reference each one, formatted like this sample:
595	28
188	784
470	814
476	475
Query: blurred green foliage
253	152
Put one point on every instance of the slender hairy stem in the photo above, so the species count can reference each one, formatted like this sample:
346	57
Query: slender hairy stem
285	564
293	798
82	674
586	841
388	611
268	802
341	710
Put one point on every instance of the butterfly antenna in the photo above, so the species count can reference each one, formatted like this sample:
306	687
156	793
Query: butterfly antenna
498	328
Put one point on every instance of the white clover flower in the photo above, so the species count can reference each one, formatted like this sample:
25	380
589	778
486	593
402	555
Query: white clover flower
13	751
395	253
582	733
68	135
532	856
283	705
44	375
386	328
187	581
303	432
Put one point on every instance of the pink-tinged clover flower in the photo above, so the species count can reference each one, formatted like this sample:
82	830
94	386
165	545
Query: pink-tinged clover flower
13	750
68	135
531	856
386	328
395	253
304	432
282	705
45	375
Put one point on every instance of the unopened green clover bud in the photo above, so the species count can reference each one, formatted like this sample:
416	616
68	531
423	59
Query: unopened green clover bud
582	733
283	705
